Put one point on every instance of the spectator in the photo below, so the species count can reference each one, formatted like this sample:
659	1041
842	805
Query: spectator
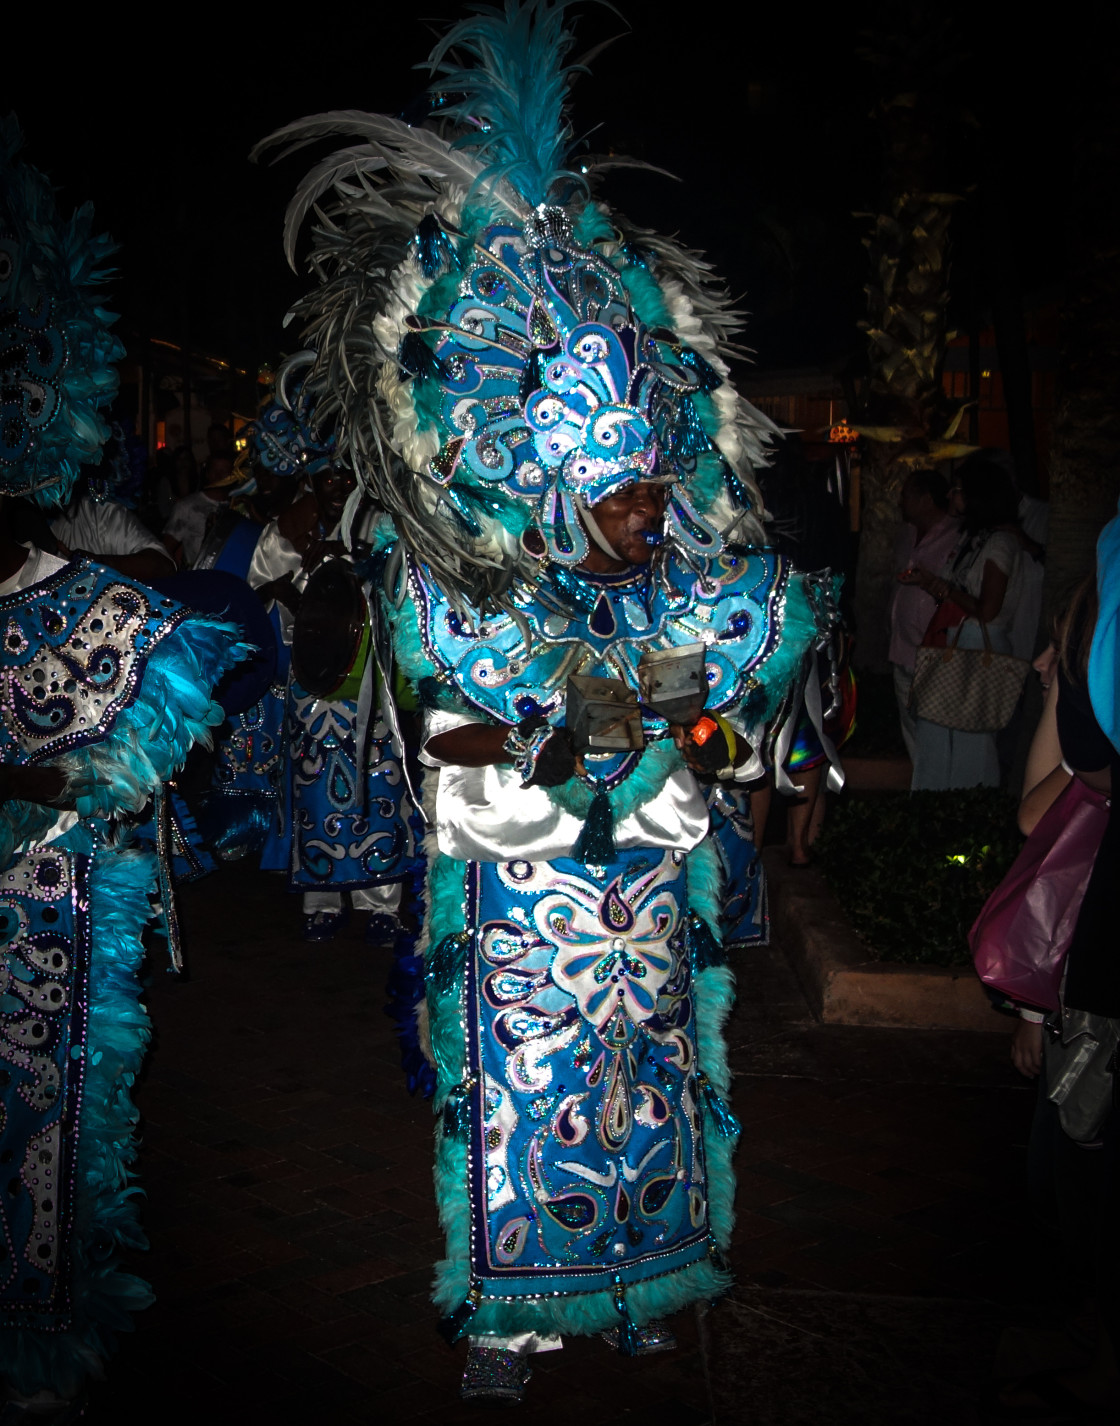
192	515
981	581
1074	1156
930	532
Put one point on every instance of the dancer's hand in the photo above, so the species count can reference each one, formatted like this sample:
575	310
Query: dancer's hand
709	745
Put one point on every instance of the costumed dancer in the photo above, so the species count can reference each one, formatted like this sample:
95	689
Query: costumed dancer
536	391
345	827
104	687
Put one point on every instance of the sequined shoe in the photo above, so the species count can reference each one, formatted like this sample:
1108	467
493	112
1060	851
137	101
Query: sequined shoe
653	1337
494	1374
324	925
381	929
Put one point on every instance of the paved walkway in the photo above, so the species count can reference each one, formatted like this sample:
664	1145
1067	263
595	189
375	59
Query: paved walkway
292	1224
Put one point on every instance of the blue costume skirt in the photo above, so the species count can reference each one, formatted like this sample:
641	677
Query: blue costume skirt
348	829
586	1110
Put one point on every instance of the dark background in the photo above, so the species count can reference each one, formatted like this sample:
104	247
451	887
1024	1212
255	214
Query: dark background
765	113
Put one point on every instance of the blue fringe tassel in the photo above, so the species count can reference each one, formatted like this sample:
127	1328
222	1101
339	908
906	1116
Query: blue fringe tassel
444	965
435	252
456	1113
236	825
418	359
705	373
454	1326
627	1333
687	436
725	1122
405	988
704	948
595	844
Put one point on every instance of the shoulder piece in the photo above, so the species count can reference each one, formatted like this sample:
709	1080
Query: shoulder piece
507	666
74	651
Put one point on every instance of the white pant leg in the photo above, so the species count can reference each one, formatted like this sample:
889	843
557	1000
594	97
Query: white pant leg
385	898
321	901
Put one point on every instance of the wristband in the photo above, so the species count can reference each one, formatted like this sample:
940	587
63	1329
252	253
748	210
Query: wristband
525	749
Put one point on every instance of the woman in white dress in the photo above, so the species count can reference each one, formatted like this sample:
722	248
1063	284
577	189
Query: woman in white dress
982	577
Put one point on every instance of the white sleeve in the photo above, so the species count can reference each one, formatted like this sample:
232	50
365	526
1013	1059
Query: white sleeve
116	530
273	557
436	721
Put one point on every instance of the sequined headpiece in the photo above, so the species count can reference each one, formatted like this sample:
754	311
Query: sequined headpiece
56	349
497	348
284	437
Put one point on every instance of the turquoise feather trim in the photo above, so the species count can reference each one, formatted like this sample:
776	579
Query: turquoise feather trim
584	1313
446	916
704	881
411	658
106	1217
593	225
799	633
150	740
656	765
713	996
645	295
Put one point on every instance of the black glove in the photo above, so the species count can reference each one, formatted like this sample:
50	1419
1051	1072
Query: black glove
549	761
708	754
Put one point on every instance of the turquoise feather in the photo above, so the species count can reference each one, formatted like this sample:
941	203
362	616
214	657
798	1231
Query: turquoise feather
512	93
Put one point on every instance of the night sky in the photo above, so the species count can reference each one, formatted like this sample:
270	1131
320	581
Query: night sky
763	113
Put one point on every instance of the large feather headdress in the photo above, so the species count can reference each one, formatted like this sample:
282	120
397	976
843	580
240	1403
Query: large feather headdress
56	372
497	350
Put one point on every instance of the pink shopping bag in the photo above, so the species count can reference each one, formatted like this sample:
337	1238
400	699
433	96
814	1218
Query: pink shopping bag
1020	939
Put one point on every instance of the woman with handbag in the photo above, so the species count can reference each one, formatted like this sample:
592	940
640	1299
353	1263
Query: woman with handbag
1074	1155
980	580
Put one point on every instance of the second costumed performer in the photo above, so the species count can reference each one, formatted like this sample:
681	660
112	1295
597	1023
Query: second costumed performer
536	392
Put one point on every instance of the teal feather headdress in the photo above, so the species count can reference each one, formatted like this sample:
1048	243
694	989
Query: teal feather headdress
59	371
511	97
497	350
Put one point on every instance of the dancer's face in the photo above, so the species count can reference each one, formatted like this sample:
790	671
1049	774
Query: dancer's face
625	520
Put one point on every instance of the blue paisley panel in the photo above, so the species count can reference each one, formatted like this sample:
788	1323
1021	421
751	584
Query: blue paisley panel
348	829
75	647
586	1156
44	934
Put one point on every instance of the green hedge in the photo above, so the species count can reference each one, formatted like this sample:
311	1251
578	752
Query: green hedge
912	869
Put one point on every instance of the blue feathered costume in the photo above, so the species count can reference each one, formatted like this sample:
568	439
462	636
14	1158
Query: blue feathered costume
502	355
104	686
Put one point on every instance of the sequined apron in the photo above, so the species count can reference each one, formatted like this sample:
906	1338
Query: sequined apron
586	1155
44	932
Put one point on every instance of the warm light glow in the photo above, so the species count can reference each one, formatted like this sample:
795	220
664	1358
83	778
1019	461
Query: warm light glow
985	376
842	434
